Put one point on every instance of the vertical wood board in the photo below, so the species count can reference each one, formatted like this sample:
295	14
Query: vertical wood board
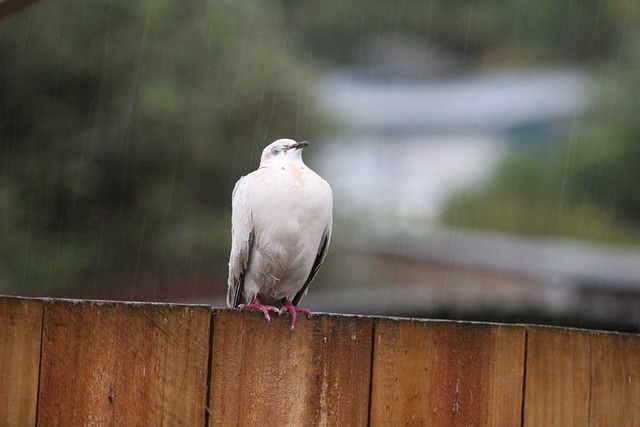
317	374
123	364
20	334
557	377
446	373
615	380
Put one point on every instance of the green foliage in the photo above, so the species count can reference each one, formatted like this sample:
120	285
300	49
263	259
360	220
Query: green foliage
123	127
606	165
586	188
511	31
529	195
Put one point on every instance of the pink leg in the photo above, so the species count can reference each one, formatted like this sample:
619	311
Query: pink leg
288	306
259	306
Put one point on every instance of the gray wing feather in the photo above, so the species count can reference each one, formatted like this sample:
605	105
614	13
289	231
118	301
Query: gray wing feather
322	253
242	239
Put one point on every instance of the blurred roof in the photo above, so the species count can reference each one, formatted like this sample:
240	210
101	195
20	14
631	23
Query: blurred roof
484	102
469	272
561	261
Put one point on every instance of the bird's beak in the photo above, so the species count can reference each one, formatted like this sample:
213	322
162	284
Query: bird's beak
299	145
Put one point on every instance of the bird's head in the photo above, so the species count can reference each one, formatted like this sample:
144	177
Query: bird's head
286	150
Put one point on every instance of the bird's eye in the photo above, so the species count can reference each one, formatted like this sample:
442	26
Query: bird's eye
275	151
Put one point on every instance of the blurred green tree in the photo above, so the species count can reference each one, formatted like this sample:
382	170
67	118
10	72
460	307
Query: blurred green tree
123	127
494	31
587	185
603	163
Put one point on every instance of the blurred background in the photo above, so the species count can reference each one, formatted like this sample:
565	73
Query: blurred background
484	155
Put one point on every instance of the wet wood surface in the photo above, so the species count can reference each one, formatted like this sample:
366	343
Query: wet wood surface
579	377
615	380
123	364
446	373
20	332
317	374
105	363
557	377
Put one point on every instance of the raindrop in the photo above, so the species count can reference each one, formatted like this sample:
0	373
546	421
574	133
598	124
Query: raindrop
28	243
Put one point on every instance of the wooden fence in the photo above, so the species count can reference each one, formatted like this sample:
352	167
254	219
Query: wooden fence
84	363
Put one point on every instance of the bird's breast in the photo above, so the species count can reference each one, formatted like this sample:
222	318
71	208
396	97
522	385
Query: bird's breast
287	179
284	177
289	196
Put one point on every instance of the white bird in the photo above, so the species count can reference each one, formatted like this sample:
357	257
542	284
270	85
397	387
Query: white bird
280	231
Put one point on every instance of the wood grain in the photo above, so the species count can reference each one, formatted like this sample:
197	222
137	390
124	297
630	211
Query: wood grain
446	373
20	333
123	364
615	380
263	373
66	363
557	377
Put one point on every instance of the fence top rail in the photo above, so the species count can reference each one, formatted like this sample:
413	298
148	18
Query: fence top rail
213	309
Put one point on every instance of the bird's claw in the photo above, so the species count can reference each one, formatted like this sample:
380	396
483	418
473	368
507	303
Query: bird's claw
288	306
257	305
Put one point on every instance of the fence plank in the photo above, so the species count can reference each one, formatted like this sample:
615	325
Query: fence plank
557	377
615	380
263	373
20	335
446	373
123	364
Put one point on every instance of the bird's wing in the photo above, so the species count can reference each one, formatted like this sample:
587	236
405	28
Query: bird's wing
242	237
322	252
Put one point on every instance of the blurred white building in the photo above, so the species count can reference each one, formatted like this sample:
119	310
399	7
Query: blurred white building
405	146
